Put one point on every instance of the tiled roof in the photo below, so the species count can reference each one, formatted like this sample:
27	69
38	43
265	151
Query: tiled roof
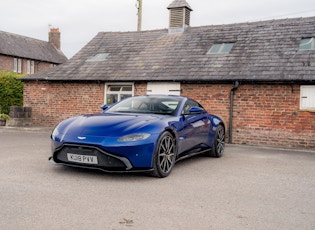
263	51
30	48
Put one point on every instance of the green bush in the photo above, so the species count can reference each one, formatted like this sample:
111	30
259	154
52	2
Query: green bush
4	116
11	91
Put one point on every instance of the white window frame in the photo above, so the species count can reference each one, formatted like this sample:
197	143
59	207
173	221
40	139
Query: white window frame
30	67
17	65
119	93
307	97
221	48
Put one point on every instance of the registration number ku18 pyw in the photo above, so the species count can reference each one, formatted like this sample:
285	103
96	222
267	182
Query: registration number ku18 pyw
82	158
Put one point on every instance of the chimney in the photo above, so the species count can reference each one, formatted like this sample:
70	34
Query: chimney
179	16
54	37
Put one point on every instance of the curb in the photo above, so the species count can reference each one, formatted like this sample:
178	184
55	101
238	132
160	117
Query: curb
27	128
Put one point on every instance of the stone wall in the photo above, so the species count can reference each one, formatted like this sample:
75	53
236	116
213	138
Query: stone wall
20	116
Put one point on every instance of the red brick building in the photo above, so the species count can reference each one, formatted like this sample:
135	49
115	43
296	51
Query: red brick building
26	55
259	77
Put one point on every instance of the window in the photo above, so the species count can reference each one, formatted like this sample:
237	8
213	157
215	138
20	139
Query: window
189	104
221	48
98	57
17	65
117	92
147	105
307	44
30	67
307	100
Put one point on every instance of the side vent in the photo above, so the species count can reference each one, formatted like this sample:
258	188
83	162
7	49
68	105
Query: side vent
187	17
176	18
179	16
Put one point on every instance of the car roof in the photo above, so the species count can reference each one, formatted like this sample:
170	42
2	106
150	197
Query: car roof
164	95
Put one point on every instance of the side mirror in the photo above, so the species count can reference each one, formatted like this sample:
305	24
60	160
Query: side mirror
104	107
196	110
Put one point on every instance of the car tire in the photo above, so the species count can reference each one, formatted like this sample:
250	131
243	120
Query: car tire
164	155
218	145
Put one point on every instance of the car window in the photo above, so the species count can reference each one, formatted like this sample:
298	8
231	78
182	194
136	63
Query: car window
149	105
189	104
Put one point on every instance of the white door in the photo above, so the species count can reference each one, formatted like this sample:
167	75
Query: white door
307	97
165	88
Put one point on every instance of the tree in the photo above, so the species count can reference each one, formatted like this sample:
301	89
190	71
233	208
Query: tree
11	91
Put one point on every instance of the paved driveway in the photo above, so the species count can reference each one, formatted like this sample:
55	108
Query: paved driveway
248	188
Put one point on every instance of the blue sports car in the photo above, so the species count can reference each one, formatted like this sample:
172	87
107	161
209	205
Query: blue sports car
143	133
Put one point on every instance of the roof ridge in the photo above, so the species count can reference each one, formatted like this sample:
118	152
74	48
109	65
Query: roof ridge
23	36
262	22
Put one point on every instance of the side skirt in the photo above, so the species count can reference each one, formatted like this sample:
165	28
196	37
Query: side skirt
192	154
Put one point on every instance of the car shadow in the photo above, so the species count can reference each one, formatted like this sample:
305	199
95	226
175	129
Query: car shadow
94	173
86	172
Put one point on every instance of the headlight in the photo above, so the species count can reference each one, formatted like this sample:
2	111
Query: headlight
55	134
134	137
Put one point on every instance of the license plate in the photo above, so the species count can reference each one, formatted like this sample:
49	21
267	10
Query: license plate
82	158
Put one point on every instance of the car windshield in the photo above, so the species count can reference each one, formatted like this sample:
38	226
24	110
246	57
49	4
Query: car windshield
148	105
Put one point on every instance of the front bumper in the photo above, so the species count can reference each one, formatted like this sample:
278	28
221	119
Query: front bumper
106	161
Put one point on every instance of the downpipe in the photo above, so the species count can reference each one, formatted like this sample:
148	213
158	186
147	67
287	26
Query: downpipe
232	92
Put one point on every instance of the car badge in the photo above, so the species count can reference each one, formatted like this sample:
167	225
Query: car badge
81	138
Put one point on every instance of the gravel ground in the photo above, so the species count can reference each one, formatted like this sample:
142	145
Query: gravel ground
248	188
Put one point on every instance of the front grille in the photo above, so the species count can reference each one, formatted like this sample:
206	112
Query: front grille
105	161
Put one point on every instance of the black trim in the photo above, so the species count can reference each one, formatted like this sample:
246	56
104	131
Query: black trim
123	160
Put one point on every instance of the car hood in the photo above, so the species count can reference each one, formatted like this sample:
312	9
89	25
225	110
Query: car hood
110	125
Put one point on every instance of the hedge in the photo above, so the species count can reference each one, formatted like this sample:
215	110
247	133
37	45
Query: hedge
11	91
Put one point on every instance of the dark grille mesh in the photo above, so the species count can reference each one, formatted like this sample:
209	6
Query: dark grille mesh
105	161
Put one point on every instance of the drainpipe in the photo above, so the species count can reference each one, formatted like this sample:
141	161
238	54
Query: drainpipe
235	87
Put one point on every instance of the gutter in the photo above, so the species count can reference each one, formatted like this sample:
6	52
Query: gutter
235	87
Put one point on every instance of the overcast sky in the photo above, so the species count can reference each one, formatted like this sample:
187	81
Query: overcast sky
80	20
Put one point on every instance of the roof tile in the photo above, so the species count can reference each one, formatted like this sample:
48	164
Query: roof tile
263	51
30	48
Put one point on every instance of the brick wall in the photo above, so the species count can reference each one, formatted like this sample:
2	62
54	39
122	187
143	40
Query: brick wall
39	66
53	102
7	64
214	97
270	115
263	114
266	115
